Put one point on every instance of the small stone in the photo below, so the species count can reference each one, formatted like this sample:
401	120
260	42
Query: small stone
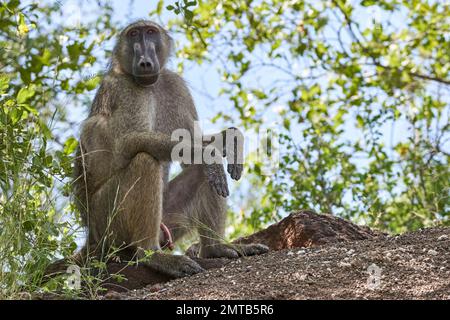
443	237
25	296
156	287
432	252
301	277
112	295
343	264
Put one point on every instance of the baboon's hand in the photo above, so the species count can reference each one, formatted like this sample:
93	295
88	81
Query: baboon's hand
217	179
232	251
174	266
235	170
233	151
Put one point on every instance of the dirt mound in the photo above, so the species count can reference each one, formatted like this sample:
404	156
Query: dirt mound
314	256
299	229
411	266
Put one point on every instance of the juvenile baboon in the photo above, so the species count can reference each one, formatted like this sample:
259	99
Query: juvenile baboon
121	182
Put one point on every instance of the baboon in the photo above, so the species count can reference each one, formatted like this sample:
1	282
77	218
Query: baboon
121	184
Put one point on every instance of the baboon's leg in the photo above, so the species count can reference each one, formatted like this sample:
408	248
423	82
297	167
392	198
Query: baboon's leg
128	207
190	202
134	198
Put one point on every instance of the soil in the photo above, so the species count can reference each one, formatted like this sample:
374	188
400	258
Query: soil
414	265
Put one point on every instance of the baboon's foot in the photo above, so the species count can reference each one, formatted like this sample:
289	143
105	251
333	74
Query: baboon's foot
173	265
232	251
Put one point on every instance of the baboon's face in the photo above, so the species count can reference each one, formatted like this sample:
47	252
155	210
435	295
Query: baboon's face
146	49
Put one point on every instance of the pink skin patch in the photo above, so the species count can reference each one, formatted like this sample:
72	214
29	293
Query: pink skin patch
167	237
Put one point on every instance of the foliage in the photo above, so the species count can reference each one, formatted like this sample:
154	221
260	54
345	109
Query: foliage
40	71
358	92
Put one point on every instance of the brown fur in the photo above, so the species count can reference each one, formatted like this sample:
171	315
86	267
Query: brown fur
121	173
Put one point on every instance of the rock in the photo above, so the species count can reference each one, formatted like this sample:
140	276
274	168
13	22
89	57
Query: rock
24	296
155	288
308	229
344	264
112	295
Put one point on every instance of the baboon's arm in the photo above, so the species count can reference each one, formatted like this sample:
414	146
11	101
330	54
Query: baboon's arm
160	147
156	144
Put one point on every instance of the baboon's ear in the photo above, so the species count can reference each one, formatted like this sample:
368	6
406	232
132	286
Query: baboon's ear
170	44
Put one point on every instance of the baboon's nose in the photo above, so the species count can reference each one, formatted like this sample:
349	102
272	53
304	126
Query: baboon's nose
146	65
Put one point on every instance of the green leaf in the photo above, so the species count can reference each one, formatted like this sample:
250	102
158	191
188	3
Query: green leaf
45	57
188	15
92	83
26	93
74	52
4	82
368	3
360	121
70	145
159	7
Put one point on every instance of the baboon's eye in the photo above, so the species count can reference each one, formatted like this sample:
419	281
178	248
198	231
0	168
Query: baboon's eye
151	30
133	33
